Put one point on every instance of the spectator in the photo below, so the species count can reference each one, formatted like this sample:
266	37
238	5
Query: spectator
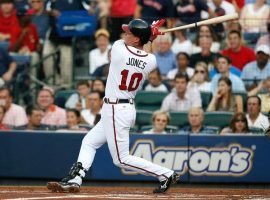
223	66
98	85
254	19
155	9
94	103
53	115
103	70
195	119
254	116
40	18
15	114
238	124
21	4
206	55
181	43
265	39
238	4
3	127
183	97
164	55
73	121
56	41
182	60
259	69
9	24
155	82
78	99
7	67
224	99
201	79
121	12
160	120
265	97
206	31
236	50
99	55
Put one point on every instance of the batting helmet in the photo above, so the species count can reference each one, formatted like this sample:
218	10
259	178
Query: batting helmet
139	28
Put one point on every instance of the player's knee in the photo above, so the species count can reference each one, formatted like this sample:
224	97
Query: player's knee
117	163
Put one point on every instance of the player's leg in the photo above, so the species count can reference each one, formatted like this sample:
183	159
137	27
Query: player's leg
120	118
92	141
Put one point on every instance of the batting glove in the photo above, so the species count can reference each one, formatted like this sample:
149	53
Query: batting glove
154	29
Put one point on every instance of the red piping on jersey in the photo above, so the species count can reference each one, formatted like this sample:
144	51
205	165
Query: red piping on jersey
135	53
117	150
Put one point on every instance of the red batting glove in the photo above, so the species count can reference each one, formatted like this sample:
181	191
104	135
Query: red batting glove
154	29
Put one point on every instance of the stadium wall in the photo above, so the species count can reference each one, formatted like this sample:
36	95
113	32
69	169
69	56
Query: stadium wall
198	158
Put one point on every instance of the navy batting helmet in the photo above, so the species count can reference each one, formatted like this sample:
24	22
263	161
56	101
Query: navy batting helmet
139	28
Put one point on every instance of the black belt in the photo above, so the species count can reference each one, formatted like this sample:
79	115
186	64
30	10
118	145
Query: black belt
107	100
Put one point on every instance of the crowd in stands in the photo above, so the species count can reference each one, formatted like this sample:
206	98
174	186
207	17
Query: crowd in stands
230	62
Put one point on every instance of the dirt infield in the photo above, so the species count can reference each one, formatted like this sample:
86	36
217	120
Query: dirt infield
38	192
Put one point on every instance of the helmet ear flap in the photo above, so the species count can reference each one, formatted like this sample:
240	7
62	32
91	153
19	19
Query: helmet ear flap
141	29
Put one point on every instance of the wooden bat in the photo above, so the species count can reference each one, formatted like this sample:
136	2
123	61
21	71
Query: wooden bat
214	20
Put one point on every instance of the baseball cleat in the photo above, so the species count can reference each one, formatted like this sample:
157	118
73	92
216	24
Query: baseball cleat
63	187
165	185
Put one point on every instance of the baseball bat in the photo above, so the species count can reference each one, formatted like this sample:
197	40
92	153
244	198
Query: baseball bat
214	20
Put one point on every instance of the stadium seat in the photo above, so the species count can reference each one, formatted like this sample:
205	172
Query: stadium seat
151	101
244	97
217	118
206	98
179	119
143	117
61	97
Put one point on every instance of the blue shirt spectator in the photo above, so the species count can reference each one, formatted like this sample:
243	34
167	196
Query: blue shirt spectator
5	61
232	69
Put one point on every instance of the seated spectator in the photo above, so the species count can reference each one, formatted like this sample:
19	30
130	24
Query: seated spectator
182	60
223	66
160	120
206	55
9	24
3	127
155	82
15	114
34	115
253	19
254	116
183	97
103	70
237	50
206	31
78	99
195	119
164	55
259	69
99	55
238	124
267	131
98	85
93	108
224	99
73	121
7	67
181	43
200	79
53	115
265	39
265	97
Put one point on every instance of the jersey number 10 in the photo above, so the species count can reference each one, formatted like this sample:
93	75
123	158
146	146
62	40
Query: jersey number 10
134	82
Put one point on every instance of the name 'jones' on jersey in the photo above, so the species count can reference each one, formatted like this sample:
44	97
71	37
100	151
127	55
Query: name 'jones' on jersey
128	69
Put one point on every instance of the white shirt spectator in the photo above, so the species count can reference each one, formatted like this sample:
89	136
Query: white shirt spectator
97	58
261	122
15	116
73	99
88	117
160	88
227	6
171	74
204	87
172	102
185	46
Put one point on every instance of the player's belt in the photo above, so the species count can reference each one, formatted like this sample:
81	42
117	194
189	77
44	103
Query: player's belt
107	100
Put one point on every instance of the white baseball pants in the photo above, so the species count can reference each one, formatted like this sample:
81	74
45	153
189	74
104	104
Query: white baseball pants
113	128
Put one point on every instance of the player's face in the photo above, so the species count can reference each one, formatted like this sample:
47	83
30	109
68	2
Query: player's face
160	122
223	65
130	39
195	118
45	99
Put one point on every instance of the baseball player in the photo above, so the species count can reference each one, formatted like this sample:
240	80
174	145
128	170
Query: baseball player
130	66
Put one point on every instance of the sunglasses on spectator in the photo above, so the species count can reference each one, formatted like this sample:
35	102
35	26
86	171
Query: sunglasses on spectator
162	120
199	71
239	120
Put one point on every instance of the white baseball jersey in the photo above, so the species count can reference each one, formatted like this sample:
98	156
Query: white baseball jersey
128	70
